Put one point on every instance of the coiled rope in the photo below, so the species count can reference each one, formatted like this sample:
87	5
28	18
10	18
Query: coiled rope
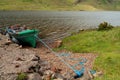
78	73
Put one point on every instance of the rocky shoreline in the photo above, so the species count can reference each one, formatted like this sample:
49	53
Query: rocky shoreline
38	63
15	60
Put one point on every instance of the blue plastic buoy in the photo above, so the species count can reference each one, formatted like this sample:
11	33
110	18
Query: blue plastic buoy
79	73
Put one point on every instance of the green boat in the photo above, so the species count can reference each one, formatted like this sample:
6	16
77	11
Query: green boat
26	37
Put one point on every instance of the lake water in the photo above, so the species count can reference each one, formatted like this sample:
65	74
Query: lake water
57	24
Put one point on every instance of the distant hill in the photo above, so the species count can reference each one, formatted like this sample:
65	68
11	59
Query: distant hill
60	5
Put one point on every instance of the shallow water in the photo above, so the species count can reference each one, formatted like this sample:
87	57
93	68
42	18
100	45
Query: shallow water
56	24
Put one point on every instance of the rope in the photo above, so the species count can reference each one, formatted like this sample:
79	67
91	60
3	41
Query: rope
54	53
79	73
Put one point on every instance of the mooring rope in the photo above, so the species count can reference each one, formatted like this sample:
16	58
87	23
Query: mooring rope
79	73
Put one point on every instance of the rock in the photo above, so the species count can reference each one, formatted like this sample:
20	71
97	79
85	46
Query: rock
97	74
19	59
58	79
34	76
68	76
17	65
48	75
36	58
57	43
48	52
45	65
34	68
20	46
57	76
8	42
48	72
90	75
54	69
81	30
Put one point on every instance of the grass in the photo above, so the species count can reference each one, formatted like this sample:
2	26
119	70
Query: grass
22	76
104	43
109	64
91	5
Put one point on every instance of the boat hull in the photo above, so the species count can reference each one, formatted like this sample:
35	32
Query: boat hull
27	37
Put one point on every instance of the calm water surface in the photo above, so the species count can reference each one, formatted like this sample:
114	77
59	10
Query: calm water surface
56	24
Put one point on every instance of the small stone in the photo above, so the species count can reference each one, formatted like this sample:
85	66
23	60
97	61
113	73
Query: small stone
36	58
81	30
57	76
56	70
20	46
48	52
8	42
90	75
58	79
48	72
44	63
48	77
19	59
58	43
34	76
53	69
97	74
17	65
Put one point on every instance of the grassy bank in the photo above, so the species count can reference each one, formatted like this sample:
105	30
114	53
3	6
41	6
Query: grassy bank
60	5
104	43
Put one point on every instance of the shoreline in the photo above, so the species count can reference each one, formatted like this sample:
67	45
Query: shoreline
18	63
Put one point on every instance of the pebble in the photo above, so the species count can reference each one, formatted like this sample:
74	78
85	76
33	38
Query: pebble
97	74
34	76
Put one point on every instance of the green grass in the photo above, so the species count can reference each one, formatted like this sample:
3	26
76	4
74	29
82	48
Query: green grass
59	5
22	76
94	41
109	64
104	43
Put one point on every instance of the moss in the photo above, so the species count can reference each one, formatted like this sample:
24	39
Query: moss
22	76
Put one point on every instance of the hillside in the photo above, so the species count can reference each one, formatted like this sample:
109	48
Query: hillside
60	5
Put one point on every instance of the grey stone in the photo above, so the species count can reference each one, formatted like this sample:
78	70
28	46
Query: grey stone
58	79
97	74
34	76
36	58
58	76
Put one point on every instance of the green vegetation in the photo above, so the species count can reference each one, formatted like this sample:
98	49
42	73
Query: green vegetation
104	26
104	43
60	5
22	76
